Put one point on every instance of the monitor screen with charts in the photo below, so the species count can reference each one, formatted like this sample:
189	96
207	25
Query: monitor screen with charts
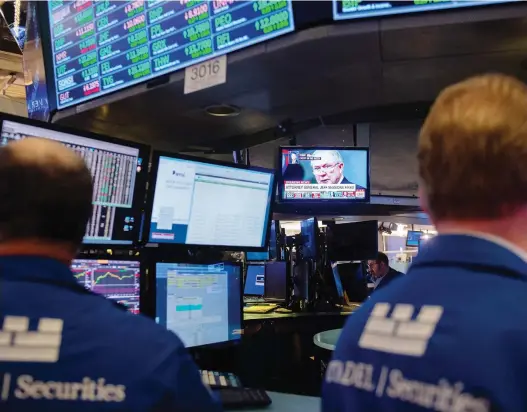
204	203
117	280
99	47
357	9
201	303
255	280
119	177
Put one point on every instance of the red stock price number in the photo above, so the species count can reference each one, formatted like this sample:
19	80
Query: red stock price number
197	11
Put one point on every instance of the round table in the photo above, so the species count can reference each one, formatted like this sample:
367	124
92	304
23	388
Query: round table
327	339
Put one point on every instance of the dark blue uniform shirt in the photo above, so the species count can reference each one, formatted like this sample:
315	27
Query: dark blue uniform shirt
451	335
65	350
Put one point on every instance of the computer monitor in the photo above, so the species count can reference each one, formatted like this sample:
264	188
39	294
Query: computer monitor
255	280
257	256
413	237
324	174
276	280
309	231
201	303
354	282
118	280
200	202
338	281
352	241
118	170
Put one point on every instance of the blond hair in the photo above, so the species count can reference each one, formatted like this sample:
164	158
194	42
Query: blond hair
473	149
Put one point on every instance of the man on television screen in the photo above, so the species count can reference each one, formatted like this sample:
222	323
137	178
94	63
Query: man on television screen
328	168
294	158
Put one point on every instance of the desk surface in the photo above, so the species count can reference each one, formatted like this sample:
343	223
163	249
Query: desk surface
327	339
273	315
286	402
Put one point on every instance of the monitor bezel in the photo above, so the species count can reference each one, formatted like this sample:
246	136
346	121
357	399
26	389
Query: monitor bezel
280	179
253	263
142	178
418	241
143	272
152	295
151	193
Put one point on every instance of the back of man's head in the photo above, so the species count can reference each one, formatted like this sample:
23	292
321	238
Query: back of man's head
473	150
382	258
46	192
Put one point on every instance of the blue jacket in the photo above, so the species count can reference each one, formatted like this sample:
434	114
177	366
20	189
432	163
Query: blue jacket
451	335
65	349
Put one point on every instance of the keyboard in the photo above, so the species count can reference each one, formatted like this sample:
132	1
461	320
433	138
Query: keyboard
260	308
216	379
241	398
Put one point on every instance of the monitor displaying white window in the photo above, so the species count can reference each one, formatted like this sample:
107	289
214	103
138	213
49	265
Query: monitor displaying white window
208	204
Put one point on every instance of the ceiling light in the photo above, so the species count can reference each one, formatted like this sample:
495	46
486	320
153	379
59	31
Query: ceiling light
222	110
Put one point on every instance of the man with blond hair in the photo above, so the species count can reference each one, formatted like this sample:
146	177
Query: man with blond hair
451	334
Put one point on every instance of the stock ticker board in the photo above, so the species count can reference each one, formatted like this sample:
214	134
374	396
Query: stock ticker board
354	9
103	46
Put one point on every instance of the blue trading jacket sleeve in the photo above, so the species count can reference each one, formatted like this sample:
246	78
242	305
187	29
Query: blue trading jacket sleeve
185	391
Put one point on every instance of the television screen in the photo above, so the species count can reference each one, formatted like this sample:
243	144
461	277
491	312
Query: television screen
255	280
339	174
206	203
257	255
100	47
201	303
118	280
352	241
413	237
346	9
119	177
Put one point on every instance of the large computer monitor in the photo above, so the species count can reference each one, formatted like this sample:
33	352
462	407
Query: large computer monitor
255	280
201	202
276	280
118	170
324	174
201	303
118	280
352	241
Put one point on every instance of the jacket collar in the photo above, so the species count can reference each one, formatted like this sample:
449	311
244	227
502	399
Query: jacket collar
473	248
34	268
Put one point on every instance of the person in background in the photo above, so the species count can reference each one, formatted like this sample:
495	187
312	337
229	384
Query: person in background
381	272
451	334
63	348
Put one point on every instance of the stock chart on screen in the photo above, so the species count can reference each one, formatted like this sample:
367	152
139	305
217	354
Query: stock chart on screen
355	9
113	279
115	169
102	46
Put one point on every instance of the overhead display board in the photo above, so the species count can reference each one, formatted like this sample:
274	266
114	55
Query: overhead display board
355	9
100	47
